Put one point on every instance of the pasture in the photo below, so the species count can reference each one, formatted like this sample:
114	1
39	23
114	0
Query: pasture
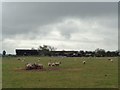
98	72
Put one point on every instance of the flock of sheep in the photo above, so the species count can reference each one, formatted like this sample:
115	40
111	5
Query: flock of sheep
30	66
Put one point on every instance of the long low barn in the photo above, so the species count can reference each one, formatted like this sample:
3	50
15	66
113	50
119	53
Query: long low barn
27	52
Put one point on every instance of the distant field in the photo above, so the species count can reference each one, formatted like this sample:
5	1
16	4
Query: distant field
98	72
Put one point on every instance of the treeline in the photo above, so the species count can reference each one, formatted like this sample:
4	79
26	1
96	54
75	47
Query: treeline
46	50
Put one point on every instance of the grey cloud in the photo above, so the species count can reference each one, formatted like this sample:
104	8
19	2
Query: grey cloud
33	20
23	17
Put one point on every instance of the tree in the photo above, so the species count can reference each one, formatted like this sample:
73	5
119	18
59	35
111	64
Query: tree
100	52
46	50
51	48
4	53
32	48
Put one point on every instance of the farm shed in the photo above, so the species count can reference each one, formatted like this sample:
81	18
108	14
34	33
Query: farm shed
26	52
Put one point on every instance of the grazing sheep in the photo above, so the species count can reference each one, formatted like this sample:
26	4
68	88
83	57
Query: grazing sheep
57	63
111	60
49	63
84	62
53	64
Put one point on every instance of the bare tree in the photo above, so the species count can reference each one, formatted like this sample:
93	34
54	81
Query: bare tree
46	49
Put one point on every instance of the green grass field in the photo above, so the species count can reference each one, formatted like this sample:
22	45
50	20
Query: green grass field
98	72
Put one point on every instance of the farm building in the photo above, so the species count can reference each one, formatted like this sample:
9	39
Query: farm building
64	53
29	52
26	52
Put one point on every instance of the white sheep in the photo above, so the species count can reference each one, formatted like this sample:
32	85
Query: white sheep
40	66
53	64
84	62
57	63
49	63
111	60
29	66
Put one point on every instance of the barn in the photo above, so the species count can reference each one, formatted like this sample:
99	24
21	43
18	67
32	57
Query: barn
26	52
29	52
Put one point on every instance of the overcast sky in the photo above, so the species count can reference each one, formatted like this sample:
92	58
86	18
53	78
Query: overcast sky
64	25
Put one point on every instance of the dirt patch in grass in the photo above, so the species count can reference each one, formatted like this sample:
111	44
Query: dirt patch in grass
39	70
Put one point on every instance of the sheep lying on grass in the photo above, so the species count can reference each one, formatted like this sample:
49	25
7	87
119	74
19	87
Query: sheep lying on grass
40	66
30	66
